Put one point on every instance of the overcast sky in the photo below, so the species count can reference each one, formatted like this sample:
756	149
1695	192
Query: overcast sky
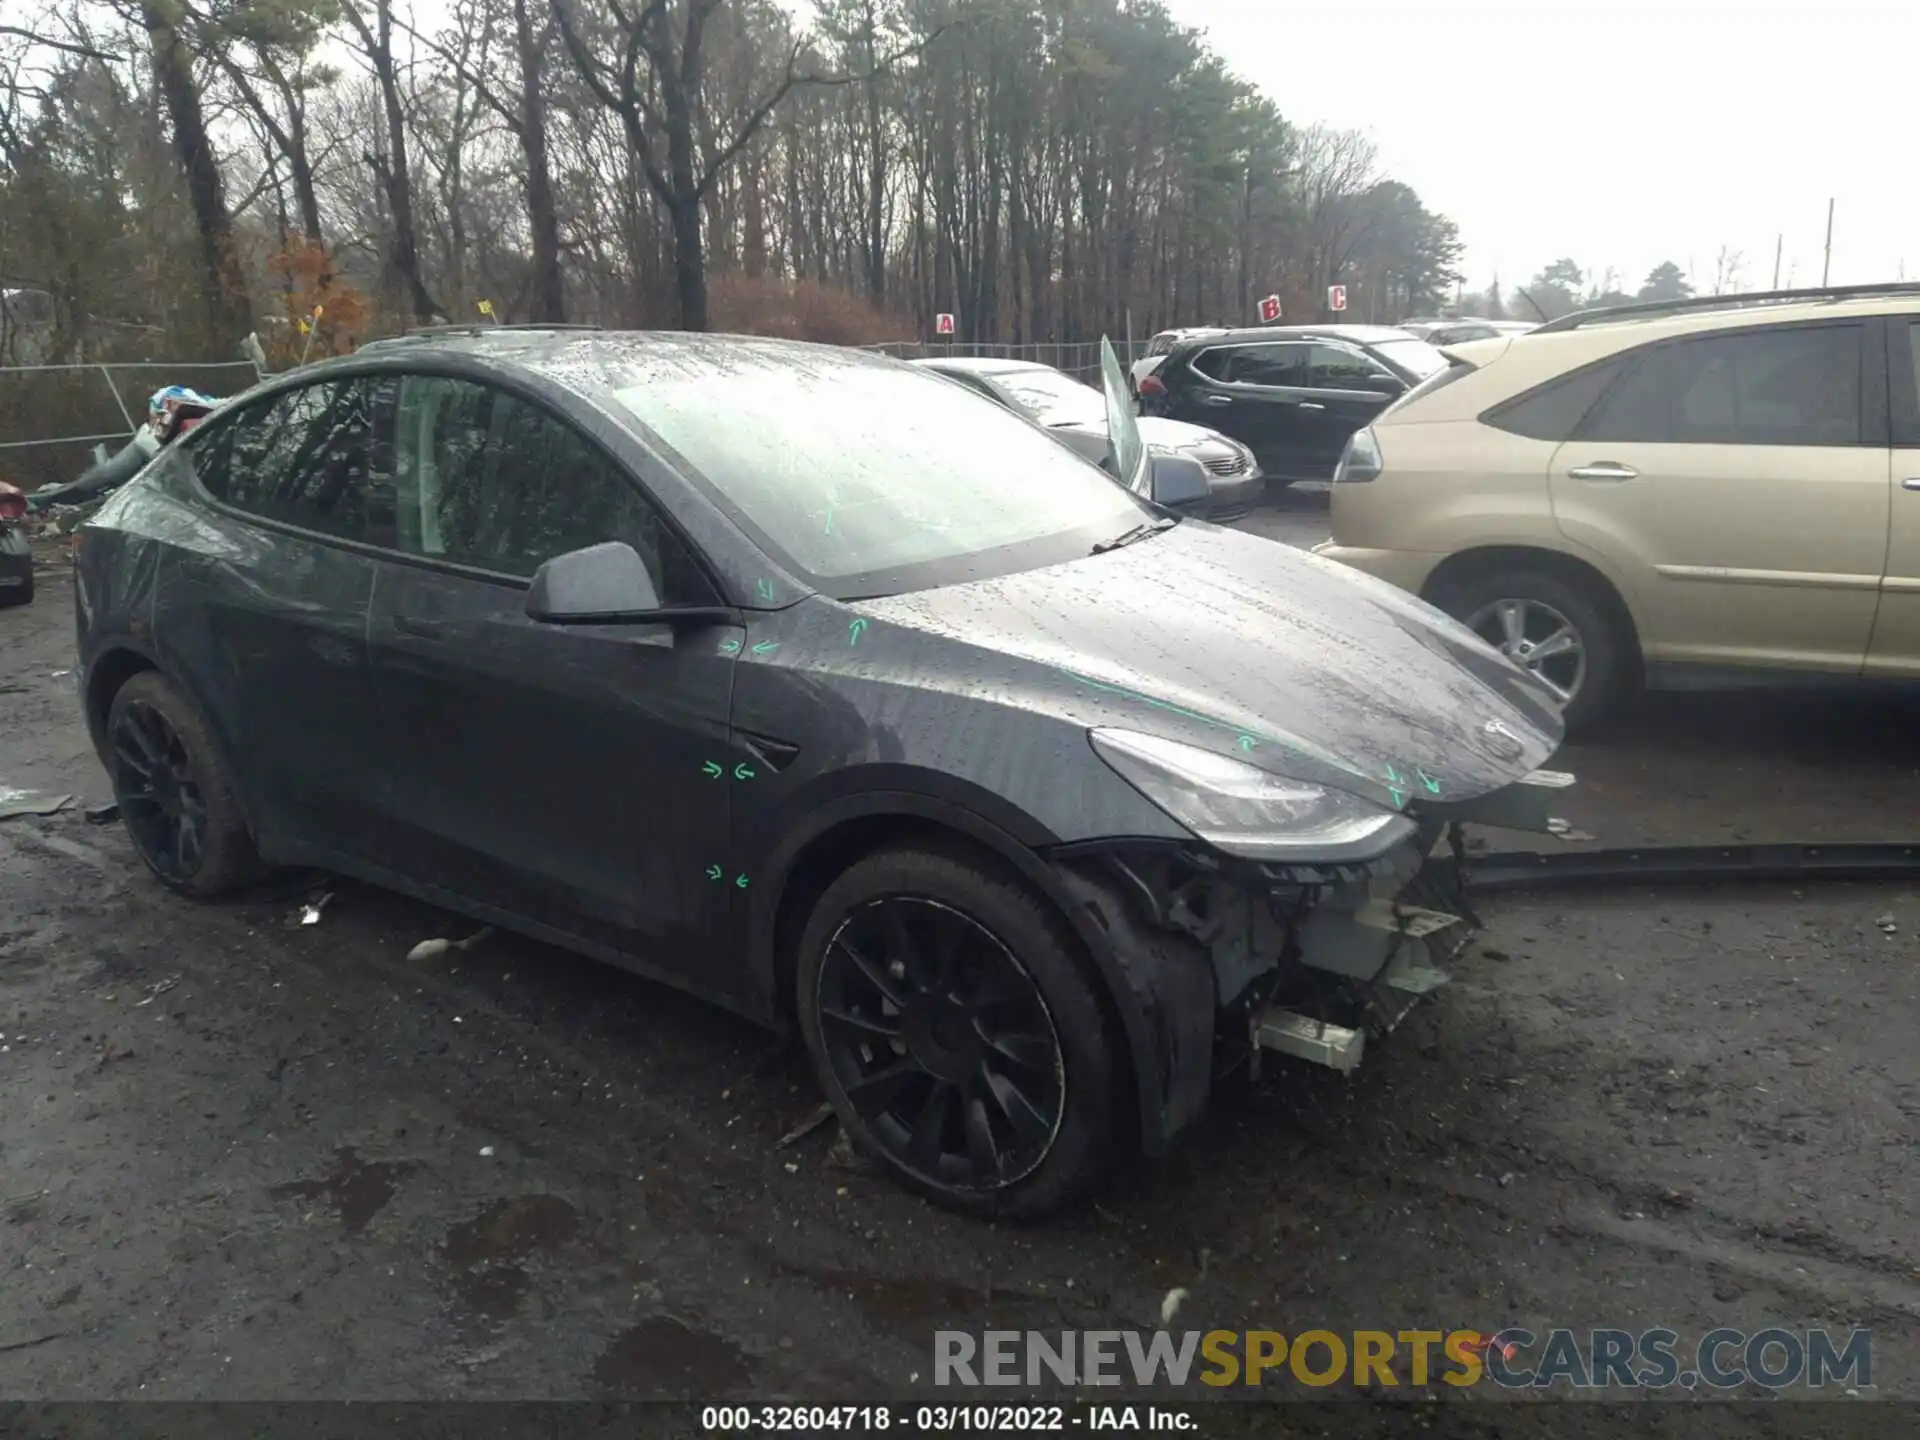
1619	132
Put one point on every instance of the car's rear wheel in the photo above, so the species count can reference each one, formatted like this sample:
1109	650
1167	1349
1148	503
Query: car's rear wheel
1556	628
958	1033
178	799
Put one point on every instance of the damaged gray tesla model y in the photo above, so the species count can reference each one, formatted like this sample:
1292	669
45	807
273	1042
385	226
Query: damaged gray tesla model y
816	685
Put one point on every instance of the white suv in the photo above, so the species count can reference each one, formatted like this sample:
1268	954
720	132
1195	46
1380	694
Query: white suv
1716	488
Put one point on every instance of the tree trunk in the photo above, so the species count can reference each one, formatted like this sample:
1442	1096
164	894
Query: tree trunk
548	301
229	313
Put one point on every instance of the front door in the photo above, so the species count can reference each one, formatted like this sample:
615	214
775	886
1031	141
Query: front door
574	774
1740	480
1896	630
1347	388
1260	395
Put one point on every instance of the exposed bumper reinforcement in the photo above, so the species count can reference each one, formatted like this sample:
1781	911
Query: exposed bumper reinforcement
1288	1033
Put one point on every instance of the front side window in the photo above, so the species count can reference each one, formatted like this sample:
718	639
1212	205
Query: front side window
1334	367
303	458
868	478
1764	387
488	479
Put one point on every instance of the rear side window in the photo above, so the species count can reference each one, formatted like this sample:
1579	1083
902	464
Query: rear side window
1281	365
1768	387
304	458
1555	410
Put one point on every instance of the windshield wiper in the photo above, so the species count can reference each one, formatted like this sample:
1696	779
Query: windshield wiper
1139	532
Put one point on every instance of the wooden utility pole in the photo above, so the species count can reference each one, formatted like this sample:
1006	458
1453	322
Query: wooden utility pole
1826	262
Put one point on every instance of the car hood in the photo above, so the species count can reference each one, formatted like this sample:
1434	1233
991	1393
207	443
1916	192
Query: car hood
1156	433
1249	647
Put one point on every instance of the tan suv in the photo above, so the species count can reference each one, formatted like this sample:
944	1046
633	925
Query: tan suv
1713	489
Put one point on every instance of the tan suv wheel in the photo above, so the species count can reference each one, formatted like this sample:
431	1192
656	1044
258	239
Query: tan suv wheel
1559	630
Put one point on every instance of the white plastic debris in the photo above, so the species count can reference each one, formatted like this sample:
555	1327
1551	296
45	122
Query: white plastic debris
486	1151
1170	1306
428	949
310	912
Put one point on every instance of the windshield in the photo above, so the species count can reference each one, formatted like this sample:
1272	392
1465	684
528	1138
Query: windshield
1054	398
1414	356
873	478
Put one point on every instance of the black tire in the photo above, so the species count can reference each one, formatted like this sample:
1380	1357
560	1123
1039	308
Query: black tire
17	594
1611	667
925	887
170	775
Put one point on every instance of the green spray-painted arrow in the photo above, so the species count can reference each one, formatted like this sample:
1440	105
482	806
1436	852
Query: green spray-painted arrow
712	770
766	647
729	647
714	872
743	771
740	882
854	630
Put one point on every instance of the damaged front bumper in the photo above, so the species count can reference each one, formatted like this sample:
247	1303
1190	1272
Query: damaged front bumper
1311	961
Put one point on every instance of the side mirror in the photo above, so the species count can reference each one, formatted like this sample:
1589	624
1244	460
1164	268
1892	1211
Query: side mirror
600	585
1180	483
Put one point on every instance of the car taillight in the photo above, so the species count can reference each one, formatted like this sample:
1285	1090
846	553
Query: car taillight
1153	385
1360	460
13	504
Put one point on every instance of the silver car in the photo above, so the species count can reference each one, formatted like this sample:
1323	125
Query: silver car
1076	415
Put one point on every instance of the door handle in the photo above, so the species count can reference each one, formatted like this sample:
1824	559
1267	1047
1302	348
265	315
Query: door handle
424	629
1311	405
1216	399
1912	482
1603	470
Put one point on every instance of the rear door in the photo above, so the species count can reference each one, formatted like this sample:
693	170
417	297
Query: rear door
265	608
1740	480
576	774
1255	393
1896	631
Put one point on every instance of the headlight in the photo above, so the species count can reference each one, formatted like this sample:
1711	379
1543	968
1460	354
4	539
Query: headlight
1247	811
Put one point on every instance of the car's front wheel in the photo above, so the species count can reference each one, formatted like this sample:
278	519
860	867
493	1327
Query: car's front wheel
178	798
959	1034
1557	629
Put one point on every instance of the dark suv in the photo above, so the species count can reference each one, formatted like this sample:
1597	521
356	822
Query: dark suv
1291	394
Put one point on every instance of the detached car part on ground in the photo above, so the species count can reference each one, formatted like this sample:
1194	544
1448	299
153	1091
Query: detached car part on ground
801	679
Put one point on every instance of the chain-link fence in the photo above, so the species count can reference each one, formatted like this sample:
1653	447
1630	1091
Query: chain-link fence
52	416
1080	359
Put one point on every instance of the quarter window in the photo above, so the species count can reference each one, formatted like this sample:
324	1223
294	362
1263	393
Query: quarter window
487	479
1554	411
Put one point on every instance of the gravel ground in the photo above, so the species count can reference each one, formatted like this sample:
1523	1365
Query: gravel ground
244	1159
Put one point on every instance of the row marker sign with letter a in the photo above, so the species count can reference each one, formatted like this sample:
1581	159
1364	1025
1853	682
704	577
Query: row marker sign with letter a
943	324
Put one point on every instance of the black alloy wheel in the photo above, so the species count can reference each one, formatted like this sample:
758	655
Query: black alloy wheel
160	797
942	1042
178	799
